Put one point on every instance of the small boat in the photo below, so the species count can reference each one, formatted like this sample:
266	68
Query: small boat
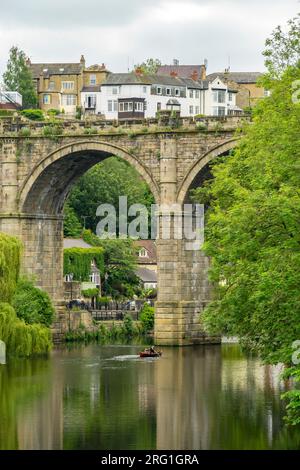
150	353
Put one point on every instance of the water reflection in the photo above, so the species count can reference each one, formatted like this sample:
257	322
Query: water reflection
105	397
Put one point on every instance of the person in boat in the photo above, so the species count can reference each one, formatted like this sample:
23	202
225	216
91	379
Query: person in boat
152	350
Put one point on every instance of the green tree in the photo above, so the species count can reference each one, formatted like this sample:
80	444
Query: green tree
253	229
150	66
72	226
283	48
32	304
18	77
120	263
104	183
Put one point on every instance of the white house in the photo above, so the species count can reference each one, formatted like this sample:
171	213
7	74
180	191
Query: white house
219	100
137	96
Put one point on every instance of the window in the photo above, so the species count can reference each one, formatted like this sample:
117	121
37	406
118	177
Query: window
177	92
115	90
46	99
191	94
197	93
230	96
219	111
219	96
121	107
159	90
90	101
168	91
69	100
139	107
93	79
51	86
143	253
112	105
67	85
267	92
191	109
196	109
158	106
144	89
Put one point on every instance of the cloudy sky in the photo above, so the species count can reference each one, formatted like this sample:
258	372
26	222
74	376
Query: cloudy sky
124	32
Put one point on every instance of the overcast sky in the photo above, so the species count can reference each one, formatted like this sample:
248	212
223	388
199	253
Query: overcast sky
125	32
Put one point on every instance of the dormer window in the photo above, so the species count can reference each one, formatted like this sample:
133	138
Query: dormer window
143	253
61	69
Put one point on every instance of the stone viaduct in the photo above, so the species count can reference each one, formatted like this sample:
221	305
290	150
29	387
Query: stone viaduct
37	172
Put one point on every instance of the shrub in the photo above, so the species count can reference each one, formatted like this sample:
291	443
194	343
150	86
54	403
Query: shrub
32	304
53	130
78	112
53	112
128	327
147	317
90	130
33	114
22	339
25	132
89	293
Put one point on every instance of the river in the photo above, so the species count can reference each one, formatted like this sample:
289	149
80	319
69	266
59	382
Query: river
106	397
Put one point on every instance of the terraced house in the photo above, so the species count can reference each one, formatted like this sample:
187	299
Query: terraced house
136	96
59	85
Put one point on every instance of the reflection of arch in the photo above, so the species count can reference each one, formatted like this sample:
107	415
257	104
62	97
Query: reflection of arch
197	166
46	188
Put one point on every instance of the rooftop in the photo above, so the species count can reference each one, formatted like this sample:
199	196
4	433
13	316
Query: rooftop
75	243
55	69
237	77
146	275
183	71
150	246
133	78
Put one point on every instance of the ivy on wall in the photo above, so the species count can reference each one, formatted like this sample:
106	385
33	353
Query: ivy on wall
78	262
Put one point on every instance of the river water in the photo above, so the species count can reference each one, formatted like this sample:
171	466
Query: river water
106	397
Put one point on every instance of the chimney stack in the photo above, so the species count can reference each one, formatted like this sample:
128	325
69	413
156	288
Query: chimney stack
82	61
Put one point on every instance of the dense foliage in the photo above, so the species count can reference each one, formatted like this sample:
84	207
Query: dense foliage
146	317
104	183
18	77
283	48
253	227
10	249
120	280
150	66
33	114
78	262
72	226
21	339
32	304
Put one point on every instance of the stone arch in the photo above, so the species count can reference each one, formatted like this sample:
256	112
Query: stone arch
48	185
197	166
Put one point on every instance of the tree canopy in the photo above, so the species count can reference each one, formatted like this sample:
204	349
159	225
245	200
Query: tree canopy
104	183
18	77
253	221
150	66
